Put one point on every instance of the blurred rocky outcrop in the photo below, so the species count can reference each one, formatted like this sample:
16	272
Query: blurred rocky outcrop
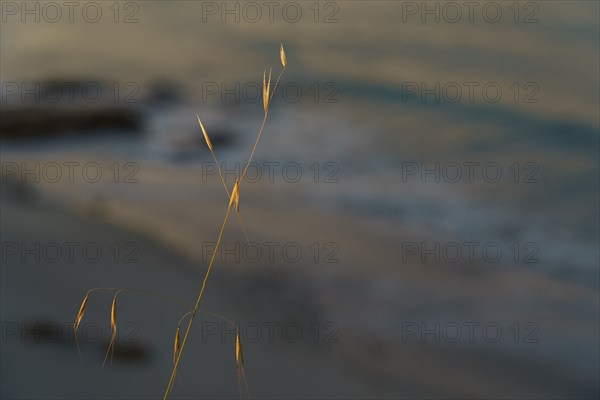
52	108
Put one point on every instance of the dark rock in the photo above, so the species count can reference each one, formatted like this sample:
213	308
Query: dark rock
45	121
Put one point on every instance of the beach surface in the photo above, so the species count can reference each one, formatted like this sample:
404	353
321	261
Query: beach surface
357	314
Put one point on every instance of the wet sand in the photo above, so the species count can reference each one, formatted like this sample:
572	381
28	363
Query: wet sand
367	298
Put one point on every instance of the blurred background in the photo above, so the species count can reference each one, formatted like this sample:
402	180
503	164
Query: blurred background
421	212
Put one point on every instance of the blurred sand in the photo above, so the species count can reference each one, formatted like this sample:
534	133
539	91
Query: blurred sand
367	295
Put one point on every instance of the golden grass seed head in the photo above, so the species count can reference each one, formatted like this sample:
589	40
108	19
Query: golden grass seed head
235	196
282	56
177	345
206	138
81	311
239	355
236	200
265	92
113	317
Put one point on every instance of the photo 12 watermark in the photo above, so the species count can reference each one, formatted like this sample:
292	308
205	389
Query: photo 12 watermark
470	252
288	92
273	252
254	12
69	92
470	12
469	332
519	172
69	252
53	12
71	172
470	92
274	171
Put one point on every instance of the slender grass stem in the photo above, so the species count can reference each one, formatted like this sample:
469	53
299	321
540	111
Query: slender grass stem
262	127
229	195
194	311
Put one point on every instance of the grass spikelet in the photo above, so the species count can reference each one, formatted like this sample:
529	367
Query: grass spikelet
206	138
78	321
81	312
239	363
235	196
113	328
266	91
113	317
265	97
239	355
176	346
282	56
236	202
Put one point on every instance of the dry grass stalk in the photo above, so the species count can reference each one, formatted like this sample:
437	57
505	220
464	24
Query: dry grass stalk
179	344
267	95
